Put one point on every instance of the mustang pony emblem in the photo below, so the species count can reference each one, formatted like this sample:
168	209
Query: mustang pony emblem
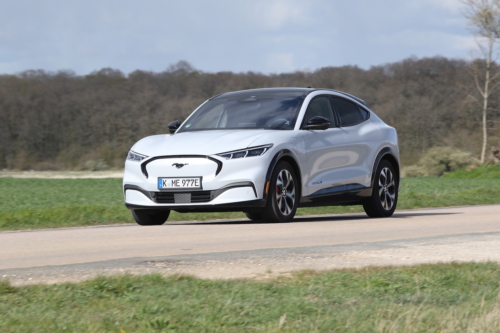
179	165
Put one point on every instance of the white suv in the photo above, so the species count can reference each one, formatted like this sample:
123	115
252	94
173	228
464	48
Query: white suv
266	152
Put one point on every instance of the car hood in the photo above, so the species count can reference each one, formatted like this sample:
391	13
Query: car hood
198	143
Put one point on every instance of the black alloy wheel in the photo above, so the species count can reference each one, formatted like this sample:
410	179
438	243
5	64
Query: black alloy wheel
150	216
283	194
384	198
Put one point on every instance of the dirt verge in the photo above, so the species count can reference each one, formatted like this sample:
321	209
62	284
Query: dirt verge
62	174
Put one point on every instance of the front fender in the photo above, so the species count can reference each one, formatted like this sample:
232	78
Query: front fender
280	155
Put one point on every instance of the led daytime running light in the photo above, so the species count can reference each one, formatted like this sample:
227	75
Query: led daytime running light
243	153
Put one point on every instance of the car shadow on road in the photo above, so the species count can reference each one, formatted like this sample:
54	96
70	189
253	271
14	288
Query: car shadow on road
322	218
362	216
413	214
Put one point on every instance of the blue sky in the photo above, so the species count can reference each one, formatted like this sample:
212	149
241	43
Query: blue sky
267	36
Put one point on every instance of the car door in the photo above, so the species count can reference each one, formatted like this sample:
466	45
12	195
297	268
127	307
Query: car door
361	140
324	149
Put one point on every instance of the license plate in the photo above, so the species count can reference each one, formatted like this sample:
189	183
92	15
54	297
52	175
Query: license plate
171	183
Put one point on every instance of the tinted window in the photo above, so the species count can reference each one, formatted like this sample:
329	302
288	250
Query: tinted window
348	112
320	106
365	114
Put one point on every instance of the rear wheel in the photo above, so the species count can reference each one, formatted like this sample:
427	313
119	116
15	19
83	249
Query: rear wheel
384	197
150	216
283	196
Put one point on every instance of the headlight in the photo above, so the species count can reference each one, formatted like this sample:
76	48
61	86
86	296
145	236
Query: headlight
133	156
249	152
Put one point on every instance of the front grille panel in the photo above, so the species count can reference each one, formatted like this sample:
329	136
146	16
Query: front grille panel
182	197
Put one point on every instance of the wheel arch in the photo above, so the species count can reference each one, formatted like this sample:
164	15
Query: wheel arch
389	154
287	156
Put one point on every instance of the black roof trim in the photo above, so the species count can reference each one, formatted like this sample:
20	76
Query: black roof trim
216	96
348	95
257	90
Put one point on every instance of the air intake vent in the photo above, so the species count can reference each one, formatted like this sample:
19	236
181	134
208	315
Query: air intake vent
164	197
201	196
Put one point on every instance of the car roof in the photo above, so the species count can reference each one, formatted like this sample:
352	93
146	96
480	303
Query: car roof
262	91
278	91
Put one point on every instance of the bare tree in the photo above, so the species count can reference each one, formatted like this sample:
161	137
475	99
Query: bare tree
484	21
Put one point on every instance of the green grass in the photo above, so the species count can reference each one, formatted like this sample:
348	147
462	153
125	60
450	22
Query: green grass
427	298
51	203
483	171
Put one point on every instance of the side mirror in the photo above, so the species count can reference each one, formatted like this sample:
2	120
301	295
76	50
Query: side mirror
317	123
173	126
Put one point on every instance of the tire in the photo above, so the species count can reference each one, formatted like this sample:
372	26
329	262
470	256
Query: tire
254	216
384	198
149	216
283	196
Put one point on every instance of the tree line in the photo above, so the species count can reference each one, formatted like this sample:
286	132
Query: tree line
60	120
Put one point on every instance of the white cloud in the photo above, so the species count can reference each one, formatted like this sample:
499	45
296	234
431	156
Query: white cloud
280	62
416	39
464	42
11	67
453	5
277	13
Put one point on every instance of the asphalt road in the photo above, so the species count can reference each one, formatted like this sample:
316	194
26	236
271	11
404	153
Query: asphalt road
27	249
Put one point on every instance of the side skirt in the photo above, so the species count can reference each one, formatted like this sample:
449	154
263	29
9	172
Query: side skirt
343	195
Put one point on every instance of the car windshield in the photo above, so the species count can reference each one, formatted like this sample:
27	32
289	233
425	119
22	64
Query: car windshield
276	110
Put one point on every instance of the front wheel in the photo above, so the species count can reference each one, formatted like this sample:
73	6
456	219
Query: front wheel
283	196
150	216
384	197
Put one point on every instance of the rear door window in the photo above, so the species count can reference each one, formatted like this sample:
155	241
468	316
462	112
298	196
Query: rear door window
348	112
365	114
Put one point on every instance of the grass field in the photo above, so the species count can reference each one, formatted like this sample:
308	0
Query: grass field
428	298
482	172
50	203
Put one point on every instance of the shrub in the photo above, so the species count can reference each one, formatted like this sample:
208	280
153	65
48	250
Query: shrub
438	161
413	171
96	165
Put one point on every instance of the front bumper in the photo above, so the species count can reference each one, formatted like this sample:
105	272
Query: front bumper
214	201
237	183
